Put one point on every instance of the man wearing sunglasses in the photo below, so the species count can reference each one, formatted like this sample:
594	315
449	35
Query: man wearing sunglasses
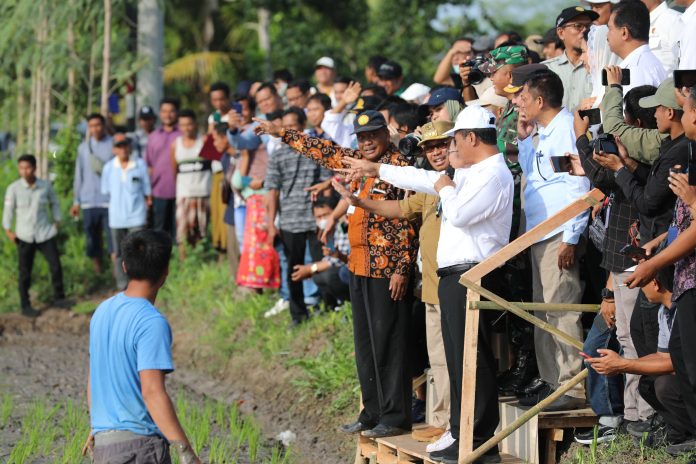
571	25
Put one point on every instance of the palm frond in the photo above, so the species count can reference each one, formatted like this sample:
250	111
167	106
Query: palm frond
194	67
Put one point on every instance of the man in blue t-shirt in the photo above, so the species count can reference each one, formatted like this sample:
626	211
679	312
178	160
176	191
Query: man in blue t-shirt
130	342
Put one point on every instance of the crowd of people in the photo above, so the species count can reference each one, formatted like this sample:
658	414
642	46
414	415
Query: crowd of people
383	194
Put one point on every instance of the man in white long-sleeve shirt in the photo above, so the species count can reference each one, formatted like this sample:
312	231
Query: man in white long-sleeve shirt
665	30
476	211
687	38
555	267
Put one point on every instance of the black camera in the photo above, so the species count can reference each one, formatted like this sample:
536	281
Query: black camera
476	76
605	143
408	146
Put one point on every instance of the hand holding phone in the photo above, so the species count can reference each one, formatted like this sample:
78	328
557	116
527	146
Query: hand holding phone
684	78
594	115
625	76
561	164
586	356
634	252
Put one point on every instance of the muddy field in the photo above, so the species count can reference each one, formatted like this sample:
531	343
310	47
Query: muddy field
47	359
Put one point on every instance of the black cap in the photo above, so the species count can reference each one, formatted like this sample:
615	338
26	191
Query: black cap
390	70
550	37
573	12
123	143
441	95
146	112
521	74
368	121
365	103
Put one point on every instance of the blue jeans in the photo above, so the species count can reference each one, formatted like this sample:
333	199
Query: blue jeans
239	222
284	289
311	291
605	392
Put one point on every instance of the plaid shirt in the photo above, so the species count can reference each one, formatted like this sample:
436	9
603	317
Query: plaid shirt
380	247
341	243
622	213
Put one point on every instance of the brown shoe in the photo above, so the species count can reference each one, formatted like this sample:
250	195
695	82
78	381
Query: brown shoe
427	434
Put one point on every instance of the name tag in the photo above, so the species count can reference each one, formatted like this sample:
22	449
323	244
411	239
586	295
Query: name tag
351	208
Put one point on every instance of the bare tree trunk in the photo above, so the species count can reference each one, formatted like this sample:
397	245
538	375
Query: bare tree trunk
149	88
92	66
21	139
72	75
210	7
46	123
264	16
106	59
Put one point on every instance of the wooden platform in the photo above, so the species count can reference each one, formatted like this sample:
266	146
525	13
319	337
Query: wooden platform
403	449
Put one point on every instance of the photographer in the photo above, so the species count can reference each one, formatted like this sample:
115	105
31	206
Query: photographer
447	72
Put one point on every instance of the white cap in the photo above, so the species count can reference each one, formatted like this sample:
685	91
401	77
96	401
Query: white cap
417	93
473	117
593	2
489	97
325	61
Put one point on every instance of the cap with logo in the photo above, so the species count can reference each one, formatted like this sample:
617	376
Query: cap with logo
573	12
441	95
663	97
146	112
521	74
366	103
473	117
325	62
390	70
512	54
435	130
368	121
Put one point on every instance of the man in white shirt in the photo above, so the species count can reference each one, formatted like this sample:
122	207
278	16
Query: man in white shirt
665	30
687	39
476	210
555	258
628	35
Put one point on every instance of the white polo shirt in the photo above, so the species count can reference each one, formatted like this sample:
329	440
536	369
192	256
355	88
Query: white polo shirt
645	68
665	30
687	40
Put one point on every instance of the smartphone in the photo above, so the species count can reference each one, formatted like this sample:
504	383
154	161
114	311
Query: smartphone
691	169
561	164
605	143
449	172
684	78
634	252
237	107
594	114
584	355
625	77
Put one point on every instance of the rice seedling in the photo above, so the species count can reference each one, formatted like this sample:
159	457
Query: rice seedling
6	409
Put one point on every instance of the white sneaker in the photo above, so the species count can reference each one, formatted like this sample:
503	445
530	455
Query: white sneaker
279	306
445	441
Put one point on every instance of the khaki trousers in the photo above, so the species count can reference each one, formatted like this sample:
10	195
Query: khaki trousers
635	407
438	367
557	360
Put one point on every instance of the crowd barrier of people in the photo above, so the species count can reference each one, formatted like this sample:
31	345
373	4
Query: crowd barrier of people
383	194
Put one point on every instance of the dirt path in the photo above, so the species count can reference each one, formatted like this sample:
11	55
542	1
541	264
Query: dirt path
47	358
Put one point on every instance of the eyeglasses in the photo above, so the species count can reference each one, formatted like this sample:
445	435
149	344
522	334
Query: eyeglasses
577	26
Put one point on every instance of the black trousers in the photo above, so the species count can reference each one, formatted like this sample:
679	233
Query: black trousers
380	331
682	350
331	287
26	252
453	306
294	245
644	326
670	404
164	215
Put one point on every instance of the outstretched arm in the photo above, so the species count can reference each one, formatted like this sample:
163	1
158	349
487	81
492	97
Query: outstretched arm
389	209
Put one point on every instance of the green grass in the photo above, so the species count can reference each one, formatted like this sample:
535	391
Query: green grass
199	298
623	450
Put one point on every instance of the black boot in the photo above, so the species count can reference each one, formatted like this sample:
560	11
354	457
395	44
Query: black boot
519	375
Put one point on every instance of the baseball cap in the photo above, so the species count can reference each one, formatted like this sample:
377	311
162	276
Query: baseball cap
435	130
521	74
366	103
123	143
326	62
473	117
595	2
512	54
146	112
416	92
663	97
573	12
389	70
550	36
368	121
441	95
489	97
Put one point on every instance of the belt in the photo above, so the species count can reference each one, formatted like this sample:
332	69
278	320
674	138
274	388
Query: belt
456	269
111	437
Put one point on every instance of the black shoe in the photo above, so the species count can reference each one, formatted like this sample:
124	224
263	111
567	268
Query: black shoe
490	457
566	403
684	447
534	386
604	434
451	452
355	427
660	437
537	397
382	430
637	429
28	311
417	411
519	375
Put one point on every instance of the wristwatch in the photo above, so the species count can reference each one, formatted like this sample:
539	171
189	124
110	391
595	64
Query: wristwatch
314	268
607	294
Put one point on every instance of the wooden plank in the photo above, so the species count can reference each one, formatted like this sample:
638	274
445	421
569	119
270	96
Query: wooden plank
466	423
498	437
549	307
523	242
513	308
549	448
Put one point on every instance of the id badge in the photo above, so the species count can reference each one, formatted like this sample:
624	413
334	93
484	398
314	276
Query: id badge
351	208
